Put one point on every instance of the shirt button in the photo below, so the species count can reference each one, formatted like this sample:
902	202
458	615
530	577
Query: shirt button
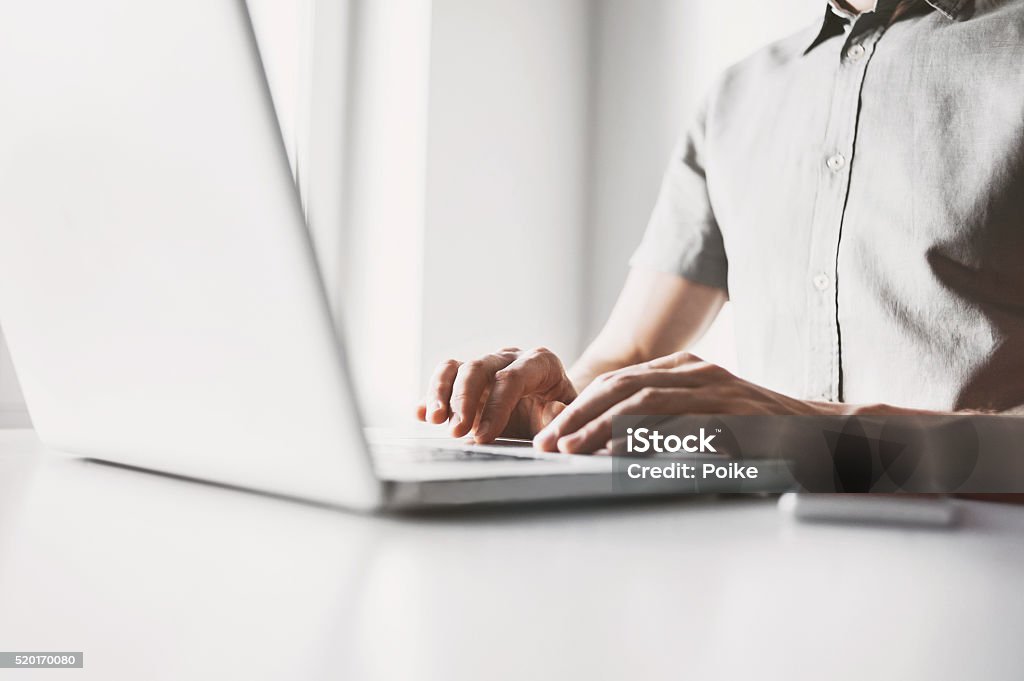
836	163
856	52
821	281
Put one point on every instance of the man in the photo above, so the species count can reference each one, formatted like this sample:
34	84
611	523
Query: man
857	192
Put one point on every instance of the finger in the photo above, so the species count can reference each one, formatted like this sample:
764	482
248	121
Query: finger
538	419
439	391
597	433
617	446
421	411
475	427
535	373
602	395
471	381
547	415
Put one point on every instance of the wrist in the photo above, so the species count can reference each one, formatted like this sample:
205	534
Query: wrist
846	409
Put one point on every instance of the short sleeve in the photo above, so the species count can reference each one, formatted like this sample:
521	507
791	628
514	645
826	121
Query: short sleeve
682	236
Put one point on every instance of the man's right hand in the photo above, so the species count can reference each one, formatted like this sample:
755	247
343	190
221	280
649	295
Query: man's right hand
511	393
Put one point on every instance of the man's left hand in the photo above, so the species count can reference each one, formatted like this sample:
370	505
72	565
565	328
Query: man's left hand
680	383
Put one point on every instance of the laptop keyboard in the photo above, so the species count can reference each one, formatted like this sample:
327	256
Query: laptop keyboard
419	454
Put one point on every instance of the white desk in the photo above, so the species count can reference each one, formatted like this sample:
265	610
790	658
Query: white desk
154	578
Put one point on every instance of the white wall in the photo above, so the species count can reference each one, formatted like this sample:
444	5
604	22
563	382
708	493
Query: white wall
642	94
506	177
385	182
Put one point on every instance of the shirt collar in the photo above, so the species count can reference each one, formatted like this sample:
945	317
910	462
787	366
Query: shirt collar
837	18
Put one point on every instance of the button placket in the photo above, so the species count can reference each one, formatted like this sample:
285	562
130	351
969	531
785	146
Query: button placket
823	377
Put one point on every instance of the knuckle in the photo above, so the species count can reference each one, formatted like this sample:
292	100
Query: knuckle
446	367
474	365
622	381
646	396
540	354
731	392
710	370
506	376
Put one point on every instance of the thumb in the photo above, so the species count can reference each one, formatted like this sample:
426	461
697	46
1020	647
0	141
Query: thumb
548	414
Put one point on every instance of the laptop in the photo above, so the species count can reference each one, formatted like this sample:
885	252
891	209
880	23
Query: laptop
158	285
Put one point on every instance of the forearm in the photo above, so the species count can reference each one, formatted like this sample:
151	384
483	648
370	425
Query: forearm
889	410
599	358
656	314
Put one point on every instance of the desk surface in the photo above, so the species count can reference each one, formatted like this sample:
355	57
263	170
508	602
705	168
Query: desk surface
156	578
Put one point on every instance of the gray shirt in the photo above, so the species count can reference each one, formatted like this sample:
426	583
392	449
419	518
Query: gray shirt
858	189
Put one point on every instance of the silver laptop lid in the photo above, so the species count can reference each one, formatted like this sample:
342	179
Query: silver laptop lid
157	283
